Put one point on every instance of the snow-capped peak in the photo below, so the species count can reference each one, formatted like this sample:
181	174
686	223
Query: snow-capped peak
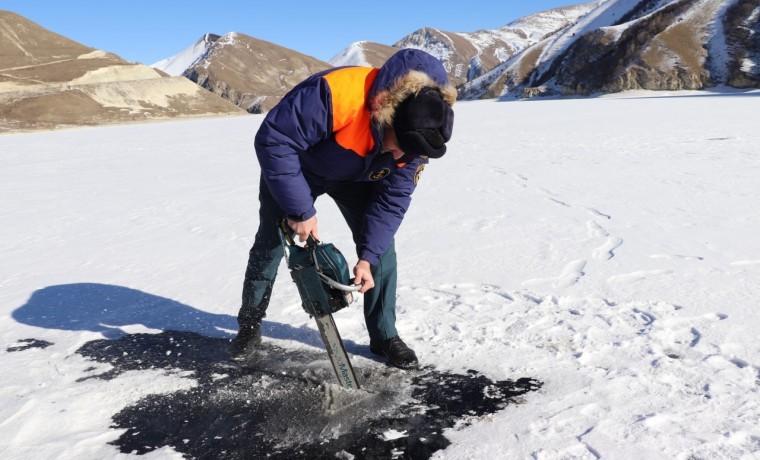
177	64
352	55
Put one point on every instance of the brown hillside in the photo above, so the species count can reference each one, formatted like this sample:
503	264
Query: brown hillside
48	81
251	73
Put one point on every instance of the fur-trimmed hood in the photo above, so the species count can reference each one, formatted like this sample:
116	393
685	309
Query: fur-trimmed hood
404	74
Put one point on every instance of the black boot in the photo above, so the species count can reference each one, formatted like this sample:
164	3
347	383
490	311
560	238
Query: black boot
396	351
244	346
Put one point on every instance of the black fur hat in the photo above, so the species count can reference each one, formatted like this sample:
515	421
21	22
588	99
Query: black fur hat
423	124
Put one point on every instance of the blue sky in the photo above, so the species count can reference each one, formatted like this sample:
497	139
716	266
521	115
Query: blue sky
148	31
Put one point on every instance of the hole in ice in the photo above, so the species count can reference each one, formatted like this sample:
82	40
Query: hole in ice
282	407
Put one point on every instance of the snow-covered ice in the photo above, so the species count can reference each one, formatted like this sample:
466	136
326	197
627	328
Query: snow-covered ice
606	247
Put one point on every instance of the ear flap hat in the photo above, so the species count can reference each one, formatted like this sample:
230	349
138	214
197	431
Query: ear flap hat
412	95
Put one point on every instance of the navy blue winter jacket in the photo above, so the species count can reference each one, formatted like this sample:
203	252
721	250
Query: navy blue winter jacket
328	131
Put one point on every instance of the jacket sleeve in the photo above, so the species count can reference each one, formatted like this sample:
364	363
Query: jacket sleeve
391	198
301	119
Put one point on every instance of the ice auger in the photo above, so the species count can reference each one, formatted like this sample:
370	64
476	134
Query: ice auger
321	274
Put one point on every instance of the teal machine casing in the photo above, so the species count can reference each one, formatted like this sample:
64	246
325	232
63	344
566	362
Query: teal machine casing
309	266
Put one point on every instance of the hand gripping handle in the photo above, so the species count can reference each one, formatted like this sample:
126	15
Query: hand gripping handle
312	243
341	287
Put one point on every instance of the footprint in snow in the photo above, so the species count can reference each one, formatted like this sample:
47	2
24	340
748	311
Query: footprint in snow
571	274
559	203
606	251
636	276
595	230
597	213
675	257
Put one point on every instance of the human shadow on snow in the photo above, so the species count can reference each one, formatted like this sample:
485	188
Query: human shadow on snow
109	309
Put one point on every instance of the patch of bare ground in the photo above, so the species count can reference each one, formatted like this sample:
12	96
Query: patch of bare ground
516	74
686	37
684	43
60	71
108	103
48	110
496	88
529	60
678	54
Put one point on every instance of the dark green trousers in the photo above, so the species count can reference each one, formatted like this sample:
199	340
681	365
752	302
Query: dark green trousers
267	252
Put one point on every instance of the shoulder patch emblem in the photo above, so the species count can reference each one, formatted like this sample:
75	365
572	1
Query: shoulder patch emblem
380	174
418	173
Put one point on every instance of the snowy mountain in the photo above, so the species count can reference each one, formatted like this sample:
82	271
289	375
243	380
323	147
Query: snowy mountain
364	54
465	56
468	55
602	46
225	66
180	62
630	44
50	81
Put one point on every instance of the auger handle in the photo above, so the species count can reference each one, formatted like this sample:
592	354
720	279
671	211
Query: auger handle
341	287
287	234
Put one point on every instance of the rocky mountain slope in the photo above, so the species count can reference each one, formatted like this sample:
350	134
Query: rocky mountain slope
467	56
251	73
637	44
224	65
48	81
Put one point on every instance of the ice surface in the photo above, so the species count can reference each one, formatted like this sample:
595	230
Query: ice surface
607	247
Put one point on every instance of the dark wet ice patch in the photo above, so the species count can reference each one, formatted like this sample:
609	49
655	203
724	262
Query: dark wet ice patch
285	404
27	344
